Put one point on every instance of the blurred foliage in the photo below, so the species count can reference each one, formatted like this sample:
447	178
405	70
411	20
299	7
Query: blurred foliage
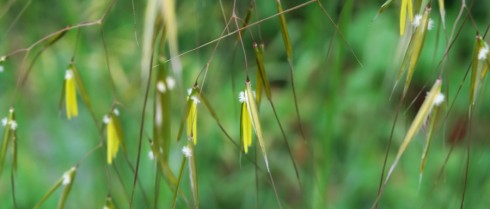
347	110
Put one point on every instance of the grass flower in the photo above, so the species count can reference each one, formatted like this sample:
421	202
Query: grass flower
187	151
245	122
70	94
192	100
114	134
434	98
483	52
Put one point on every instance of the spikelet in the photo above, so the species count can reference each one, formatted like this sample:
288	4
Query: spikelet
414	49
114	134
192	101
70	94
245	122
479	68
433	98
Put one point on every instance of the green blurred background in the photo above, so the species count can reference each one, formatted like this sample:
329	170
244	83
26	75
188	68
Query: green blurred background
346	110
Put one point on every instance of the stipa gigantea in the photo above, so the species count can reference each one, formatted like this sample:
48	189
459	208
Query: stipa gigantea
9	136
412	55
70	95
190	114
479	67
245	122
253	115
67	181
114	134
254	118
71	85
434	97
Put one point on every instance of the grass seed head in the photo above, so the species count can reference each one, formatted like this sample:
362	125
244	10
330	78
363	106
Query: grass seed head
70	94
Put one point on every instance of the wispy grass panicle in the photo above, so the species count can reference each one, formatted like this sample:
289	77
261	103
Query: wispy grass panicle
114	134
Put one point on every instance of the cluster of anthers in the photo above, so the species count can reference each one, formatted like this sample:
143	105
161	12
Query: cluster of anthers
169	84
187	151
68	74
242	96
12	123
418	19
483	52
106	119
439	99
194	98
66	178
